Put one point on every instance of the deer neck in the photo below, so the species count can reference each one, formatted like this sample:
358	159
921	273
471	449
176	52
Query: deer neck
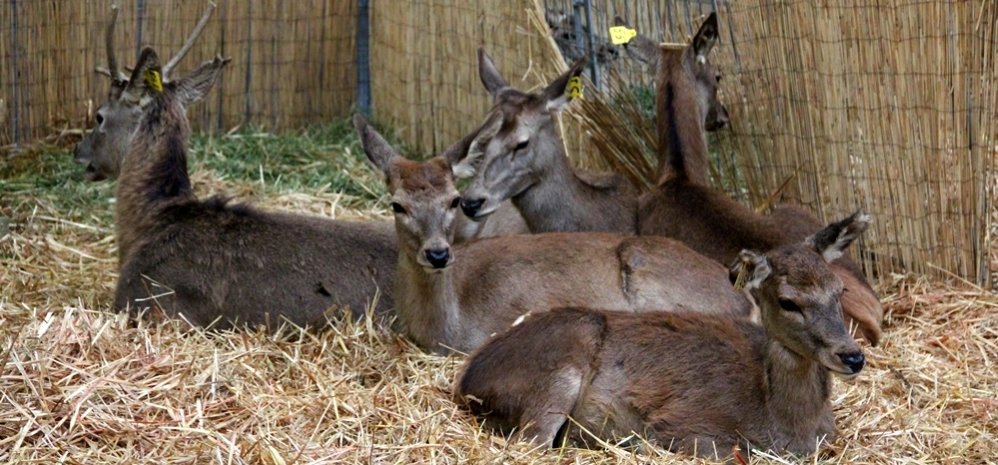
797	392
426	303
559	198
682	135
153	174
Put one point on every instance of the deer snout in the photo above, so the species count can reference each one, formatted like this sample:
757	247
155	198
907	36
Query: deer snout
471	207
438	258
853	361
717	118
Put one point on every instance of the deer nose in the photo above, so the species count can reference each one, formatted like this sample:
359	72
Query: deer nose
854	361
438	258
470	207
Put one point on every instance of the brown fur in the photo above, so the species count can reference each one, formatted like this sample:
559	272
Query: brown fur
480	288
684	207
538	178
690	382
208	260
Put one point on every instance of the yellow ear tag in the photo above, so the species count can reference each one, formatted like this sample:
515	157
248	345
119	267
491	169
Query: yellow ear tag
622	34
742	277
575	87
154	81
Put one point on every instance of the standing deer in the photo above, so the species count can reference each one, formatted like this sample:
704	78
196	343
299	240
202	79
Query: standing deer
683	206
212	262
520	156
452	298
689	382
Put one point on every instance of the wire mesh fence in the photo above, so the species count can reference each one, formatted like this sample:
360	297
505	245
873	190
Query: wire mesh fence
886	105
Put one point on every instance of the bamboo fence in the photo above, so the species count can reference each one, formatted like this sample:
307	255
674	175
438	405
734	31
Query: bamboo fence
292	62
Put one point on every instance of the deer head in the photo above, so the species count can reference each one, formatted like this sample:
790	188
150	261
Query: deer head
104	147
516	145
687	63
799	295
424	198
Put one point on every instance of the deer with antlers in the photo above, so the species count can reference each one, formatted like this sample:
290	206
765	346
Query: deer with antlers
684	206
452	298
103	149
209	261
695	383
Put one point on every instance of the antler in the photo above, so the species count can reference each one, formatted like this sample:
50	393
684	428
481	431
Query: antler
190	41
112	62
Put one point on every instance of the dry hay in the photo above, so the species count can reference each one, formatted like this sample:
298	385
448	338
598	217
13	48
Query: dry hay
79	384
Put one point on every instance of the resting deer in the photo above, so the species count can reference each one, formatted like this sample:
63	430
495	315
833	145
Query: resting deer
683	206
689	382
213	262
454	297
103	149
520	156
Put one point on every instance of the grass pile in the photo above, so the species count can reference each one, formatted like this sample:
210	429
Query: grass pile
79	384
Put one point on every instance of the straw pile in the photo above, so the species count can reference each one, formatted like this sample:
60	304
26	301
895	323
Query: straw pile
79	384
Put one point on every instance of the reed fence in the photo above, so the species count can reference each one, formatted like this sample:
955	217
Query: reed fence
293	62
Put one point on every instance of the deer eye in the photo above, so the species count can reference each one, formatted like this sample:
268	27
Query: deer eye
790	306
99	118
522	145
398	208
454	203
718	78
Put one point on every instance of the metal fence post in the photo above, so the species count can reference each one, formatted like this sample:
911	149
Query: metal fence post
15	91
593	58
363	57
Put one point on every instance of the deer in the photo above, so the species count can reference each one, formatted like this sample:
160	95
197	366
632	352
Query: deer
521	157
451	298
219	264
103	148
691	382
684	206
101	151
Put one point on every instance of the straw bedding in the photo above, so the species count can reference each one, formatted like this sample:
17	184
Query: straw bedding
79	384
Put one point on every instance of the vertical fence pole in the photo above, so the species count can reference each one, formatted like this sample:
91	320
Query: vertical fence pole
593	59
15	100
140	14
364	57
248	78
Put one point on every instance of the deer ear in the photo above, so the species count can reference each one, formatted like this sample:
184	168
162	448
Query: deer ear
489	75
706	37
556	92
749	270
196	84
464	156
640	47
832	241
376	147
146	80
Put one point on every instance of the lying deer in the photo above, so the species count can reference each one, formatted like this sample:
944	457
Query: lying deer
689	382
214	262
520	156
103	148
683	206
455	297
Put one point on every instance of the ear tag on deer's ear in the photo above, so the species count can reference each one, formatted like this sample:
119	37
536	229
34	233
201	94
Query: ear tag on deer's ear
622	34
742	277
575	87
153	80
